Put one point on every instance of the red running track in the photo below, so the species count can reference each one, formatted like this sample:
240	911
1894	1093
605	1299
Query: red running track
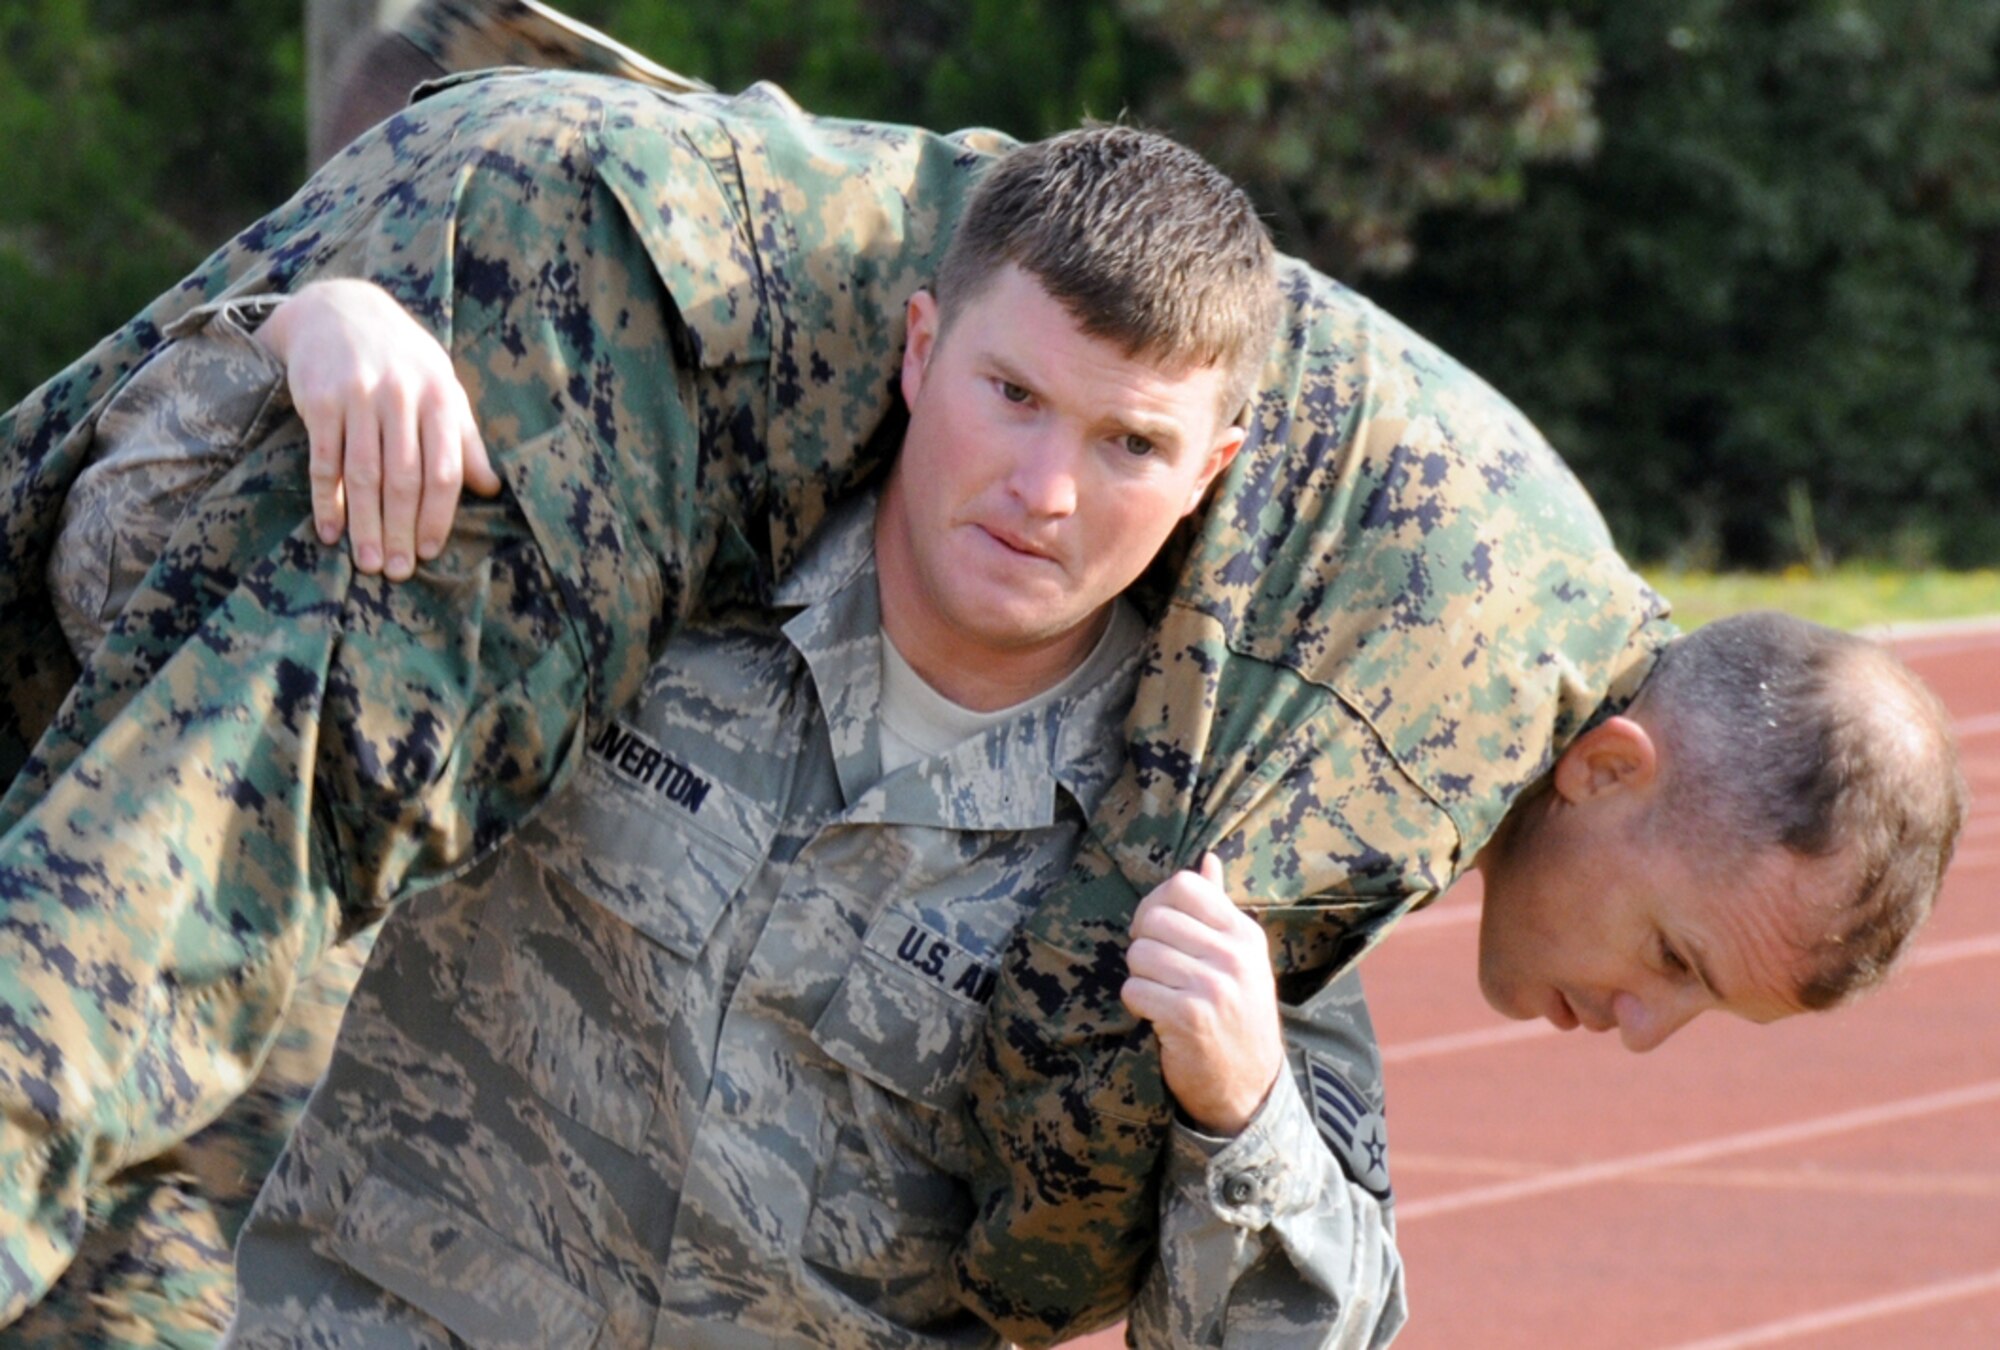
1830	1182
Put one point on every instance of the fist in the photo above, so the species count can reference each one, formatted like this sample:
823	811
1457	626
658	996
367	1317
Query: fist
1199	970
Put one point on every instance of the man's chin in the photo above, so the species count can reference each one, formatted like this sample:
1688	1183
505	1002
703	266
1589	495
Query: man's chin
1502	999
999	622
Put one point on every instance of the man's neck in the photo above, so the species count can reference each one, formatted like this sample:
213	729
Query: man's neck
985	680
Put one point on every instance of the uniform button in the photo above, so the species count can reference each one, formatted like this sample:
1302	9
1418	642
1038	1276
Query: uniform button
1239	1190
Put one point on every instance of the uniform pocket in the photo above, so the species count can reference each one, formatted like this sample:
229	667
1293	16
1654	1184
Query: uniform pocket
891	1202
884	1222
908	1014
650	838
585	943
565	483
1313	944
454	1269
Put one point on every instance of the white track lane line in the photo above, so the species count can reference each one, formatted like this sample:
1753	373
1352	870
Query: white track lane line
1750	1141
1910	1300
1506	1033
1937	953
1976	726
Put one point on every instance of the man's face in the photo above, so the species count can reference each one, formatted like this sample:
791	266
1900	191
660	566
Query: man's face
1596	916
1041	473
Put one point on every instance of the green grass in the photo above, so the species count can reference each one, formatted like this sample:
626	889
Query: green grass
1850	596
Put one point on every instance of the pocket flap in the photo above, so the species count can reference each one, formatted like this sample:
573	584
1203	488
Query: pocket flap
565	483
643	857
683	194
456	1270
907	1014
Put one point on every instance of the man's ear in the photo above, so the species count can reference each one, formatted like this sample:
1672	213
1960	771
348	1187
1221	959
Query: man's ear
920	319
1227	442
1616	755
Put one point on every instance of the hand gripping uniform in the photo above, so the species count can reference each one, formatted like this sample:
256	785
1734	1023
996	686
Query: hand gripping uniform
678	322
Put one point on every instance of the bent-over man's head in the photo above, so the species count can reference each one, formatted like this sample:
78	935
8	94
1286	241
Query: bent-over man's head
1760	833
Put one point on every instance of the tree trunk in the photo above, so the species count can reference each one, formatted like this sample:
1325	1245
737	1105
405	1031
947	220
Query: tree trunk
334	32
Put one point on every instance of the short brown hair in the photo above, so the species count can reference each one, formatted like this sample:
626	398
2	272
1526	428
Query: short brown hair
1785	732
1142	240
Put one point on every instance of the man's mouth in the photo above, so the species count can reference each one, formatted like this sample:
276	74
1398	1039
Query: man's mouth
1014	543
1561	1015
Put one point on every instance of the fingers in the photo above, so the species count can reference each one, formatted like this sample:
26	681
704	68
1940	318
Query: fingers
404	488
1160	1004
426	466
1189	938
323	427
1183	955
1199	971
437	476
411	476
390	426
1191	934
479	474
362	475
1181	994
1198	895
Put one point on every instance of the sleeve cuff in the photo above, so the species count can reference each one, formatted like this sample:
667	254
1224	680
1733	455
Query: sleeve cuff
240	314
1267	1170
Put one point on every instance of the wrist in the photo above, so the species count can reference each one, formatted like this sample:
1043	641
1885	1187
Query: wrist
1225	1119
274	334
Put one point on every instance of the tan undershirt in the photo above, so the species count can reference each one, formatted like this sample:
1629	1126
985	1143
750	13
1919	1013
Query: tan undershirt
918	722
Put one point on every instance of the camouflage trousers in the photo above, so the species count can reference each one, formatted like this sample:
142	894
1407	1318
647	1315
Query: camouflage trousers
155	1267
155	1264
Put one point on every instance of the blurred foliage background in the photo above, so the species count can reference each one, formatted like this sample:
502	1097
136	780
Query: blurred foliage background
1740	261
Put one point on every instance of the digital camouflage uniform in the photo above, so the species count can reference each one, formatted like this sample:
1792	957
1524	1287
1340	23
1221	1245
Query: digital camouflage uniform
1396	612
1443	555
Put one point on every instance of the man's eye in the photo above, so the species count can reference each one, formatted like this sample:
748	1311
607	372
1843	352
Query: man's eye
1012	392
1138	445
1671	959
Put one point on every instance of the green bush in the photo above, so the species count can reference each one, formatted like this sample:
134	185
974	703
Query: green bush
1777	277
135	142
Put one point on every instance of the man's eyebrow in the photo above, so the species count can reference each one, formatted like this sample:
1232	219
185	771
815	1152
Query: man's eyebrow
1163	431
1008	371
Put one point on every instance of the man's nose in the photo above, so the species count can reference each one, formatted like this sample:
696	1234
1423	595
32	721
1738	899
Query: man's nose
1645	1022
1044	477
